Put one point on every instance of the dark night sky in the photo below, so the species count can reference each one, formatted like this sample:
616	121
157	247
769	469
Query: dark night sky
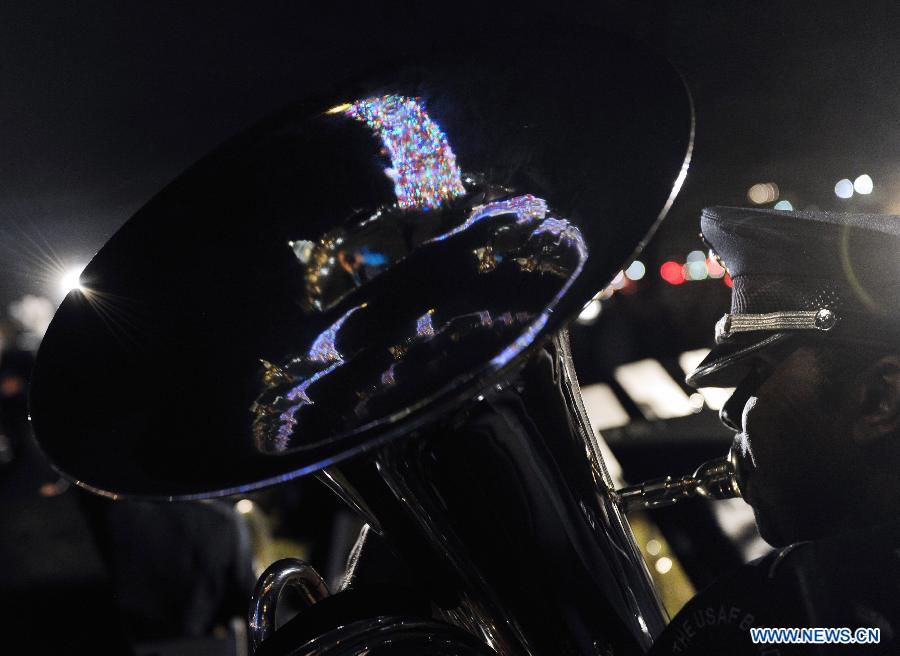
104	103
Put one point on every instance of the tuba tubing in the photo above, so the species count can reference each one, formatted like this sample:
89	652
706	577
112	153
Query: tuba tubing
283	573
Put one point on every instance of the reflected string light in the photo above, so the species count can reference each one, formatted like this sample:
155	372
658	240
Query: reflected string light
843	189
388	377
424	327
863	184
324	348
563	232
323	351
423	167
527	208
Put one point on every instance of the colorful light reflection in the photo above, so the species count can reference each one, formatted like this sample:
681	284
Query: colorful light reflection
423	167
672	273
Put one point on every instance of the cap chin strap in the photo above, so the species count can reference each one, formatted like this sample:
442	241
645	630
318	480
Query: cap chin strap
732	324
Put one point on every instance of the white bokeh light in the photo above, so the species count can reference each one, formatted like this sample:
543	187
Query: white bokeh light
863	184
664	565
843	188
590	312
636	270
696	270
244	506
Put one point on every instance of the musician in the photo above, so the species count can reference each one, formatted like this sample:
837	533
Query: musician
812	345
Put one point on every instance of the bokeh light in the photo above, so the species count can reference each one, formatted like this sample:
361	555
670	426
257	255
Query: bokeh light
672	273
663	565
843	188
590	312
636	270
715	269
763	192
696	270
784	205
863	184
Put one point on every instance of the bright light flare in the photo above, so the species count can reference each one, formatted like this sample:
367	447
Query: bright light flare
71	280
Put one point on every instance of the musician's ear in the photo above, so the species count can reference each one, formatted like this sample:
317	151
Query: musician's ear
877	400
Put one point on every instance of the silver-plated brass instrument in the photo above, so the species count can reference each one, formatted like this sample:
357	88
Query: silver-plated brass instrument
715	479
373	287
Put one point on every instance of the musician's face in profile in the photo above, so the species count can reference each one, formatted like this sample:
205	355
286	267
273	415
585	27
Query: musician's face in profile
819	443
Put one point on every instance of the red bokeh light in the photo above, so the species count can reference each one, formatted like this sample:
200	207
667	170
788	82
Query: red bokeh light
672	273
727	280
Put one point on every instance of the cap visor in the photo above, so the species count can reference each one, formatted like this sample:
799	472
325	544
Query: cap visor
727	364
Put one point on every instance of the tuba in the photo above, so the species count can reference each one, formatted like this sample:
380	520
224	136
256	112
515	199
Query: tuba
373	287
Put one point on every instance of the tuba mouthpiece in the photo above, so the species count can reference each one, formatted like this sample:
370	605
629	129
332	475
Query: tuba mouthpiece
714	479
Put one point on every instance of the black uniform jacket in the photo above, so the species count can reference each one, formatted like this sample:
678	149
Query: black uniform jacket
850	581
